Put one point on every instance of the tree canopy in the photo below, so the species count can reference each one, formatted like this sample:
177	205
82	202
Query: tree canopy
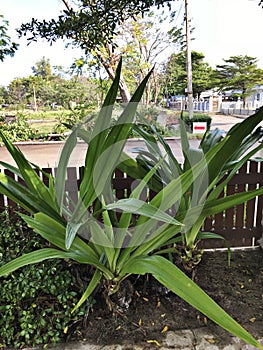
176	76
239	73
88	23
7	47
46	89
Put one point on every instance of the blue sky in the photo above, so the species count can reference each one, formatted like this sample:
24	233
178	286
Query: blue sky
222	28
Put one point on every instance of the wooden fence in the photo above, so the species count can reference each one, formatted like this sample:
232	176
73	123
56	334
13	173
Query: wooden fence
240	225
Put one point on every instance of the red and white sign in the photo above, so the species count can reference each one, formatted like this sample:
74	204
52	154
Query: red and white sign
199	127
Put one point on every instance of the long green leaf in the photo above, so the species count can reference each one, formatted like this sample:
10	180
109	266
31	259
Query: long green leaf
54	233
115	141
168	197
61	172
218	205
33	258
91	286
136	206
33	181
173	278
126	217
233	141
25	198
100	131
215	192
105	161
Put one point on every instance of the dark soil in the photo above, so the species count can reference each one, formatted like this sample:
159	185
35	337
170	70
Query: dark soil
154	309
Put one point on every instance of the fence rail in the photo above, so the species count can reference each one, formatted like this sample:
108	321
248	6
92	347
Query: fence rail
241	225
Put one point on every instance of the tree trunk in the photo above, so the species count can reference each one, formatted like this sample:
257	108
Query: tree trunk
124	91
125	94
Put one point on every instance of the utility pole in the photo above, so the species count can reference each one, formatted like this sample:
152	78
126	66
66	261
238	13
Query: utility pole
35	99
188	62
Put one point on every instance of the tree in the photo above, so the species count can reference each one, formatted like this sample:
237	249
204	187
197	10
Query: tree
90	23
175	76
141	41
239	73
46	88
7	47
42	68
145	39
91	26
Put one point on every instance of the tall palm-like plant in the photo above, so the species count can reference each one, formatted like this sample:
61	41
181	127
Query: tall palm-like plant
116	245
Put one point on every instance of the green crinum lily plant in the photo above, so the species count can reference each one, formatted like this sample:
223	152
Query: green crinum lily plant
115	242
221	158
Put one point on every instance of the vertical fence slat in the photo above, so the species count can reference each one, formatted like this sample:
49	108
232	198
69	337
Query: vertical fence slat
250	207
44	177
259	218
72	189
219	218
239	220
230	213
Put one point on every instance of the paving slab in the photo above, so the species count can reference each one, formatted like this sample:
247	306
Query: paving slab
196	339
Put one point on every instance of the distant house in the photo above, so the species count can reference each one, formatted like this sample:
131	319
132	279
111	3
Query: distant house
257	98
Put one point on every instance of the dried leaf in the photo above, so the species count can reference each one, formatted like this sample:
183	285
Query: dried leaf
165	329
253	319
153	341
210	340
241	284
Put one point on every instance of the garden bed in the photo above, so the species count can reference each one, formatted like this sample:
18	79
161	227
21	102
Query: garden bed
154	310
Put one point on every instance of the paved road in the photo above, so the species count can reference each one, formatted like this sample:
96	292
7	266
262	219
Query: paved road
47	154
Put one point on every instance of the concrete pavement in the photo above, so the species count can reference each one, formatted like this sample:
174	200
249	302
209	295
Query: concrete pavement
196	339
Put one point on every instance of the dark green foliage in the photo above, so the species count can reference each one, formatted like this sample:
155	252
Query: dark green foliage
7	47
36	301
89	24
239	73
176	77
196	118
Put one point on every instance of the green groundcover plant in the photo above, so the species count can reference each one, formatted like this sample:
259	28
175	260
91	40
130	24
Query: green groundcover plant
36	301
105	234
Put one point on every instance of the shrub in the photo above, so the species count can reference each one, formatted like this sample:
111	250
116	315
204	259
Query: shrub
36	301
18	130
196	118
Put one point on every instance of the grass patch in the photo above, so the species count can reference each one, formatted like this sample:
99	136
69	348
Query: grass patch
43	127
